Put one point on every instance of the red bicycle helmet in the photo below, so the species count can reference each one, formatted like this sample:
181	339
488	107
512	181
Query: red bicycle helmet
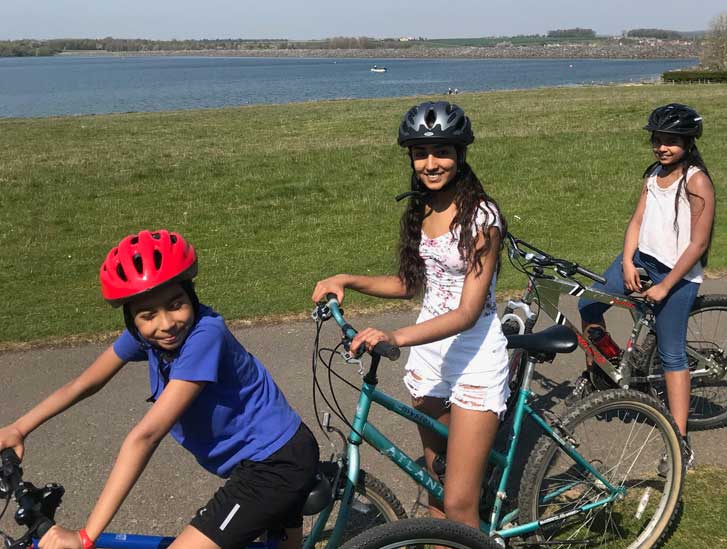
144	261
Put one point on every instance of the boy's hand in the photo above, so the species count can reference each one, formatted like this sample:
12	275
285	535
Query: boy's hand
60	538
11	437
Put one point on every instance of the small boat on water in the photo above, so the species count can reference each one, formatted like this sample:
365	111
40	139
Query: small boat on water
378	69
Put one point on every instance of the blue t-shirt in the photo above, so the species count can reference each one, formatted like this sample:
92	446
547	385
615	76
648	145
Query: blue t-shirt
240	414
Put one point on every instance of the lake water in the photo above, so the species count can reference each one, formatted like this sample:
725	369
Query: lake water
47	86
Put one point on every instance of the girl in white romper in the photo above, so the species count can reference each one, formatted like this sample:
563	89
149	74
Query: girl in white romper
449	247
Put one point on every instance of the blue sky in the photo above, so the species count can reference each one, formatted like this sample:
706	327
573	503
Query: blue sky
307	19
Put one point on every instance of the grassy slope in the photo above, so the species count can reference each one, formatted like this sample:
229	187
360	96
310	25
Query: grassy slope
275	197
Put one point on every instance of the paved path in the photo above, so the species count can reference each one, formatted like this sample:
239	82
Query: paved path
78	448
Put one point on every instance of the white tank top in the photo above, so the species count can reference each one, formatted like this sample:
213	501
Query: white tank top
657	236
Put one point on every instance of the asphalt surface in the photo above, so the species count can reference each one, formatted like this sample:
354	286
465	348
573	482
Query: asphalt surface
78	448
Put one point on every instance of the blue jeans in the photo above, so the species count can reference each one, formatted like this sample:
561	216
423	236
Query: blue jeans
671	315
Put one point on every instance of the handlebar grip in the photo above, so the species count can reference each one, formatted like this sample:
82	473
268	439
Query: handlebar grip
590	274
44	524
382	348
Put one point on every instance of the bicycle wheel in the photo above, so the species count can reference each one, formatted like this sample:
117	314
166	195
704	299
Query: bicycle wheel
707	334
623	434
422	533
373	504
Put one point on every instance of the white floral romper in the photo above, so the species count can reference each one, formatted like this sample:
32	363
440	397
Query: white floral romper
470	368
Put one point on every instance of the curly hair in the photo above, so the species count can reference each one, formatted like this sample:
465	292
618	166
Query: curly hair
470	198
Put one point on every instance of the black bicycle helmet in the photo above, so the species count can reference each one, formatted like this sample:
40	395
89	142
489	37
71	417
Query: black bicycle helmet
435	122
677	119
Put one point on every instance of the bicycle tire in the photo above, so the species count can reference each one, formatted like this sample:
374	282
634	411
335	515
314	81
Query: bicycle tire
373	504
624	433
420	533
706	332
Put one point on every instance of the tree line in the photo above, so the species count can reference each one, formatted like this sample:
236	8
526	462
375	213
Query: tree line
21	48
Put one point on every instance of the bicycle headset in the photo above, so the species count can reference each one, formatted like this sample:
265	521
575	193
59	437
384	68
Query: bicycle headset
437	122
676	119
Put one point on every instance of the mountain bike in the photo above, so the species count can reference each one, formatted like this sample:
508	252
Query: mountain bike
592	477
638	366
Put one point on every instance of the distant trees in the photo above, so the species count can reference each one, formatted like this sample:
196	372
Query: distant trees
654	33
572	33
714	53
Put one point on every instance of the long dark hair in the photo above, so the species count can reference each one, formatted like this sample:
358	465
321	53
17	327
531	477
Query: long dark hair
469	198
691	158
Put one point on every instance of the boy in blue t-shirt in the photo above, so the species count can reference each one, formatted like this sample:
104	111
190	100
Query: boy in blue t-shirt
215	398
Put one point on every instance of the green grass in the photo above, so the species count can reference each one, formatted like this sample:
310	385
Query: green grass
704	504
276	197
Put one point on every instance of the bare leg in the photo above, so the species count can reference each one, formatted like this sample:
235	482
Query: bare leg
191	538
433	444
678	390
471	436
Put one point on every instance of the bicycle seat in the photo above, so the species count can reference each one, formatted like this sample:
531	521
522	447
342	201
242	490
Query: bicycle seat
319	497
646	282
556	339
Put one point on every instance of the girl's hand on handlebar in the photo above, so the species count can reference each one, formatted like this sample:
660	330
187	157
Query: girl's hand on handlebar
369	338
334	285
11	437
632	280
60	538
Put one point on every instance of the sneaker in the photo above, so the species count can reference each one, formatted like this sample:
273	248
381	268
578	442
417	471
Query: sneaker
581	389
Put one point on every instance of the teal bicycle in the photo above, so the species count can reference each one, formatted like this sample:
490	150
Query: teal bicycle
591	479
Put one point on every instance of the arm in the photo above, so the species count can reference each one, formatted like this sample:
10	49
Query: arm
85	385
701	206
135	453
631	242
387	286
474	295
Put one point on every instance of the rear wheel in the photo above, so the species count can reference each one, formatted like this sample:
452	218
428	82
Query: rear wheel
706	334
628	437
422	533
373	504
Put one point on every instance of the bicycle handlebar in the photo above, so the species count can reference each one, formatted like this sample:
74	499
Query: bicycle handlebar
332	308
36	506
542	259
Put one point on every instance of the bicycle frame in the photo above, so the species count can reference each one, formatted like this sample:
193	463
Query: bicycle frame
363	430
546	291
110	540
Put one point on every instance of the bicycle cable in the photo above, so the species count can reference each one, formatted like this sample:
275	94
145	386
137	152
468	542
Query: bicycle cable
520	267
335	408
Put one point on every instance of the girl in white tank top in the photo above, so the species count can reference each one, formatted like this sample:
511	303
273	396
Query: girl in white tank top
669	235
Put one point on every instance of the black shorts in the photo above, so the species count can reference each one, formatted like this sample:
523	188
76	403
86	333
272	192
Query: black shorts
262	495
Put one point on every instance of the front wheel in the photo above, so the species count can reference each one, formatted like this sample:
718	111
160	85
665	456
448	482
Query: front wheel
706	334
422	533
630	439
373	504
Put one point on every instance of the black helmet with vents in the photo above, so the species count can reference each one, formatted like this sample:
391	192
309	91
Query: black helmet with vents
677	119
435	122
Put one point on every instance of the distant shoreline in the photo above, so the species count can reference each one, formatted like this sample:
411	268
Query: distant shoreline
565	51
